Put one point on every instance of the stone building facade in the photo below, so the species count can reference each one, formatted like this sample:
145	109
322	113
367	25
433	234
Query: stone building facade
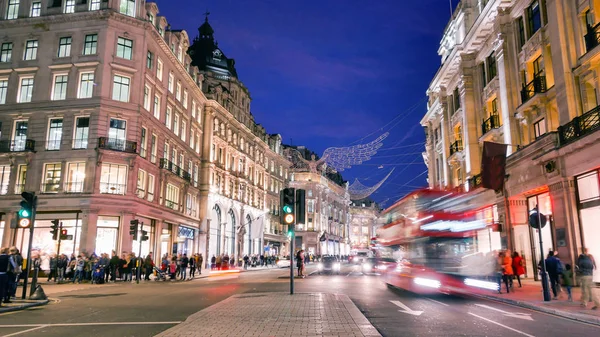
521	73
364	221
104	116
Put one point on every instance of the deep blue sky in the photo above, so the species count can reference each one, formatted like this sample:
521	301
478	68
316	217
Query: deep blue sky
331	72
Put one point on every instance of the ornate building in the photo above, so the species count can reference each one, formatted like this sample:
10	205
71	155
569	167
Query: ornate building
243	168
364	221
521	73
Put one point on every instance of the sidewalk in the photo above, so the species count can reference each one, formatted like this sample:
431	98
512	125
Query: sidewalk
530	296
277	314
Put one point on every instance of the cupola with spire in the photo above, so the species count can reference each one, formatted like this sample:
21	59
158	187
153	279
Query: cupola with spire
206	54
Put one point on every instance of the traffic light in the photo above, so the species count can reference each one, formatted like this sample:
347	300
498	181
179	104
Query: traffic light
288	203
133	228
300	206
63	234
54	229
28	204
144	235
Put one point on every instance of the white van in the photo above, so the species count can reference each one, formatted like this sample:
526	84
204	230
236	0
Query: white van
360	255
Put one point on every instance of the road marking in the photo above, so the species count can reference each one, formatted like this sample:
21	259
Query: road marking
86	324
25	331
438	302
502	325
407	310
526	317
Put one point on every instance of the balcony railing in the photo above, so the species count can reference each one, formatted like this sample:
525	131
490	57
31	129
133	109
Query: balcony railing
456	147
171	204
536	86
110	188
592	38
114	144
489	124
168	165
74	187
80	143
17	145
579	126
474	182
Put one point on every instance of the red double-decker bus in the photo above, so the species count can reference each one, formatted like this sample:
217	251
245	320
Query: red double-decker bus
437	252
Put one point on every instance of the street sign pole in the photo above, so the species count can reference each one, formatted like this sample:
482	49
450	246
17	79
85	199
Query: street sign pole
545	287
139	261
58	250
292	262
31	226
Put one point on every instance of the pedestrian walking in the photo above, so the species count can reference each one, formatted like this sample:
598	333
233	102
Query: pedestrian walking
192	264
586	265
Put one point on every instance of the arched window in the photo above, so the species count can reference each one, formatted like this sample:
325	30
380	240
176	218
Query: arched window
249	231
218	212
232	233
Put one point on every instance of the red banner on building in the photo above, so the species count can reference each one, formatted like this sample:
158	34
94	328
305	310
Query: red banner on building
493	165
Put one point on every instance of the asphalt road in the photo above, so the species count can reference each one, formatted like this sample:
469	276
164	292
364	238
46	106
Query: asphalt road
147	309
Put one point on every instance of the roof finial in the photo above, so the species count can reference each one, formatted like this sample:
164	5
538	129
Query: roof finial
206	14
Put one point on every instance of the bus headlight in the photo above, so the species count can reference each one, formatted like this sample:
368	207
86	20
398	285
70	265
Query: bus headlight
337	266
427	282
367	266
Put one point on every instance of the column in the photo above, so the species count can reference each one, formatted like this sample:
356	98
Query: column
471	120
445	146
565	217
157	256
125	239
506	102
204	183
87	240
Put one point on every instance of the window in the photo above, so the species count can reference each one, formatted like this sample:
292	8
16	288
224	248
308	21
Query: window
539	128
4	178
188	204
483	75
127	7
153	149
178	91
36	9
150	195
147	97
149	58
141	184
70	6
75	177
170	83
95	5
59	89
143	143
64	46
311	206
121	88
455	98
159	69
192	134
166	151
183	130
31	47
3	90
51	178
193	106
82	130
113	179
90	44
534	18
124	48
86	85
20	135
172	197
6	52
176	125
180	54
157	107
117	130
185	99
168	117
21	179
520	32
196	175
538	67
491	64
13	9
54	134
25	90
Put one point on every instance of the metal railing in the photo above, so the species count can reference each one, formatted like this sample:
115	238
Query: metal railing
592	38
110	188
74	187
168	165
79	144
489	124
114	144
536	86
53	145
50	188
456	147
171	204
17	145
579	126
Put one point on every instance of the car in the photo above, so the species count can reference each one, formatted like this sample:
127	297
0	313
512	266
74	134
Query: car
329	264
377	265
284	262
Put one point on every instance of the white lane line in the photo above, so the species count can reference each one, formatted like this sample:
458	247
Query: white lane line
438	302
502	325
506	313
86	324
24	331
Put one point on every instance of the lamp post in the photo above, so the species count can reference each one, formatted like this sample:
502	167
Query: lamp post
538	220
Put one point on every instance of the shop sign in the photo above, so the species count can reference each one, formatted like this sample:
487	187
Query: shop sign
186	232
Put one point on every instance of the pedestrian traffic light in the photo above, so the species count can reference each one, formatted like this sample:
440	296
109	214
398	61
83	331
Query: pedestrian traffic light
144	235
288	203
300	206
133	228
63	234
54	229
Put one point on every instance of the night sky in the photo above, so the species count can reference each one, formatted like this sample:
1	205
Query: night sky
334	73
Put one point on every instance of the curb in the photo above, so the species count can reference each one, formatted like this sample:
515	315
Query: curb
366	328
24	306
576	317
